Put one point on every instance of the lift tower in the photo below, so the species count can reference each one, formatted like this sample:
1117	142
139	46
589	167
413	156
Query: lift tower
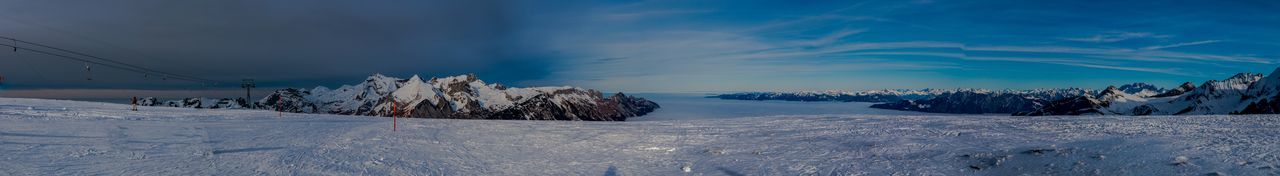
248	85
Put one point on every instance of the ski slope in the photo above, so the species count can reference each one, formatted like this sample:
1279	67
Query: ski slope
53	137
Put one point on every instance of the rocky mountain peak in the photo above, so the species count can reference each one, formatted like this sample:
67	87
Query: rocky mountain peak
1185	87
1141	89
1110	90
462	96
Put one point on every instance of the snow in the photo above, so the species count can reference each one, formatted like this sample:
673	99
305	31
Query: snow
352	97
459	92
414	91
53	137
490	97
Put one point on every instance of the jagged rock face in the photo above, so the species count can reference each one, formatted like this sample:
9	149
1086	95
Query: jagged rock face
1185	87
460	97
199	103
1081	105
148	101
288	100
1111	93
1264	96
1140	89
1264	106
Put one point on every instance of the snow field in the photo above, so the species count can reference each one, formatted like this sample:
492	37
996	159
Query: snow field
39	137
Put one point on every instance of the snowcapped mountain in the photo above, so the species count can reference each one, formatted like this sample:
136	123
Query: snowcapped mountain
356	99
885	95
456	97
1141	89
1184	88
1243	93
459	97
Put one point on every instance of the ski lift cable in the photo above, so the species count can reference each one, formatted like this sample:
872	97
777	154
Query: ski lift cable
47	28
105	59
168	75
95	62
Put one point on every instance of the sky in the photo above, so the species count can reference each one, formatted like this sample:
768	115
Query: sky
644	46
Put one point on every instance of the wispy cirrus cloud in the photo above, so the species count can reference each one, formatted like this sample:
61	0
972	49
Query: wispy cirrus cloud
1122	53
1181	44
1084	63
871	41
1109	37
831	38
638	15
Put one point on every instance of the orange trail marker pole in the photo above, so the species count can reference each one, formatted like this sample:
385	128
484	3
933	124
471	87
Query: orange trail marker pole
279	111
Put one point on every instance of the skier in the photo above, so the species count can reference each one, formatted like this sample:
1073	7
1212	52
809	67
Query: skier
135	103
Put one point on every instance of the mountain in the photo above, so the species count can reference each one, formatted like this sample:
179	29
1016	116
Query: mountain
200	103
1184	88
961	101
356	99
981	101
1086	104
1243	93
466	97
840	96
1141	89
456	97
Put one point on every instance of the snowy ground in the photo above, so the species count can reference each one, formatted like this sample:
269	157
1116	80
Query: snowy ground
40	137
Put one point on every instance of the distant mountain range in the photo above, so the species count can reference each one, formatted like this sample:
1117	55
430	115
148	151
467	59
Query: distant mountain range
979	101
456	97
1243	93
841	96
963	101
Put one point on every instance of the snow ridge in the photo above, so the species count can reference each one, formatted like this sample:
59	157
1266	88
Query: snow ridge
462	96
1244	93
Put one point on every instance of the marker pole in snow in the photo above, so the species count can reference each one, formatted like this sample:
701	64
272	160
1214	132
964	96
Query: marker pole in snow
279	111
394	124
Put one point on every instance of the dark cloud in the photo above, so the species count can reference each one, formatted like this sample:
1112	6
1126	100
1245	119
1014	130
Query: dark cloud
280	43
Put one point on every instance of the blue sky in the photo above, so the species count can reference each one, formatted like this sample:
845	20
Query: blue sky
812	45
653	46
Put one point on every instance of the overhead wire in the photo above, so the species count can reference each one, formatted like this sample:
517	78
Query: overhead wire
99	63
145	71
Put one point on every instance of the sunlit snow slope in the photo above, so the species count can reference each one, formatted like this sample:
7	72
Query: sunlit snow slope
42	137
